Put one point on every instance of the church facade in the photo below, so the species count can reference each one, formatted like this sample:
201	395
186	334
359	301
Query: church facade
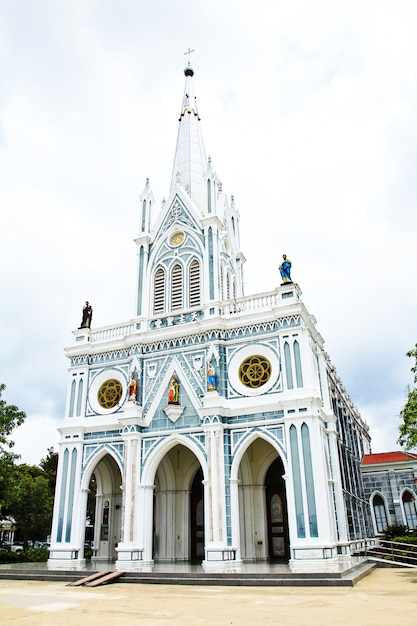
213	424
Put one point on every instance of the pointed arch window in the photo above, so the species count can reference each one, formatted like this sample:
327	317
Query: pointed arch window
176	287
159	291
380	513
194	283
410	512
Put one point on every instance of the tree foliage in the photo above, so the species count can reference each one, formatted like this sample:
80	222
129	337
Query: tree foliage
10	418
408	426
31	503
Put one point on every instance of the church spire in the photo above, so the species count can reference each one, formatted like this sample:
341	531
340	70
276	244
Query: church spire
190	162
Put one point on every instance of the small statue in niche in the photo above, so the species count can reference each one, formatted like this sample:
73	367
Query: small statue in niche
87	315
211	378
285	270
173	389
132	387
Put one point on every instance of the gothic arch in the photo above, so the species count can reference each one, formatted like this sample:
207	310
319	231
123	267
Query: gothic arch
244	445
156	456
380	517
92	463
408	507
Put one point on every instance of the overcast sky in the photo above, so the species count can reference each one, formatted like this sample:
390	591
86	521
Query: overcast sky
308	111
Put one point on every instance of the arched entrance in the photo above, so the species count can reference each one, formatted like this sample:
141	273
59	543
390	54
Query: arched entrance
178	507
263	522
105	513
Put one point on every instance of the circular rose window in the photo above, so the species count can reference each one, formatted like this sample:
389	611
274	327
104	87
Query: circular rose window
109	393
255	371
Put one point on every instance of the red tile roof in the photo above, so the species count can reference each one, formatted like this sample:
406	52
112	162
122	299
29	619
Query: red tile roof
388	457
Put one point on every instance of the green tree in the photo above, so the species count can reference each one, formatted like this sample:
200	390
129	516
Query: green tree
31	503
49	466
408	427
10	418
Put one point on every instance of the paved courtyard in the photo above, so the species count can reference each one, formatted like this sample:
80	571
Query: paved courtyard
386	596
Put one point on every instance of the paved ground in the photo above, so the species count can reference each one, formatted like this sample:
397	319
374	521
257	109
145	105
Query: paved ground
386	596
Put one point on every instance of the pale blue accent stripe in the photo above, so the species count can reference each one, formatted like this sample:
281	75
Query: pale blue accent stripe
72	398
211	268
71	495
288	365
62	497
309	478
140	281
80	396
297	360
298	495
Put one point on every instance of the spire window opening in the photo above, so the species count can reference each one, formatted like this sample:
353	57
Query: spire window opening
194	284
176	287
159	292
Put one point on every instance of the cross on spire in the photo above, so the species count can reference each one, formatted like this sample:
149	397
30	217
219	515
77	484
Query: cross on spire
189	51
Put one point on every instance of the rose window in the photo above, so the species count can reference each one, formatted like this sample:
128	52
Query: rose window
110	393
255	371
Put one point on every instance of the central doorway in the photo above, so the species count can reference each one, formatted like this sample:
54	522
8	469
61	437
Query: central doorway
178	507
197	517
276	510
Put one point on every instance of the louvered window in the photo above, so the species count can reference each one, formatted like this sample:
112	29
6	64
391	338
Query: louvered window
159	292
176	287
227	287
194	283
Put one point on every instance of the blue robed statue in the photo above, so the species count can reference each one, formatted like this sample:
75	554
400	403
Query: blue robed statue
285	269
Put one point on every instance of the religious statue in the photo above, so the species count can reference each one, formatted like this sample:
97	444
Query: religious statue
87	315
132	387
285	269
211	378
173	389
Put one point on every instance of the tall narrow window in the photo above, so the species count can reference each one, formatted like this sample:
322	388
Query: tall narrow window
176	287
409	509
227	286
194	283
159	292
380	513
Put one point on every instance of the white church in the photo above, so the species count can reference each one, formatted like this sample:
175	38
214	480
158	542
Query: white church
213	423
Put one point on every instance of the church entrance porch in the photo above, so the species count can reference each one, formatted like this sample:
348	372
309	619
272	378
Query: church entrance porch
106	514
263	520
178	507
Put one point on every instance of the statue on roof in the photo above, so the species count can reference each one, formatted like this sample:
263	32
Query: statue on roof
285	269
87	315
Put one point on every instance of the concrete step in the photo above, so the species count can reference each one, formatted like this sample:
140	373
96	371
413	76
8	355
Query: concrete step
347	578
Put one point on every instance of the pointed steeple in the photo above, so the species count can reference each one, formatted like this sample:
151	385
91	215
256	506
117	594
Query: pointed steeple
190	162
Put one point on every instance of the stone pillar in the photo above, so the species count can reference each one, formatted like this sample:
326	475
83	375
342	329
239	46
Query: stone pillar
217	552
130	550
